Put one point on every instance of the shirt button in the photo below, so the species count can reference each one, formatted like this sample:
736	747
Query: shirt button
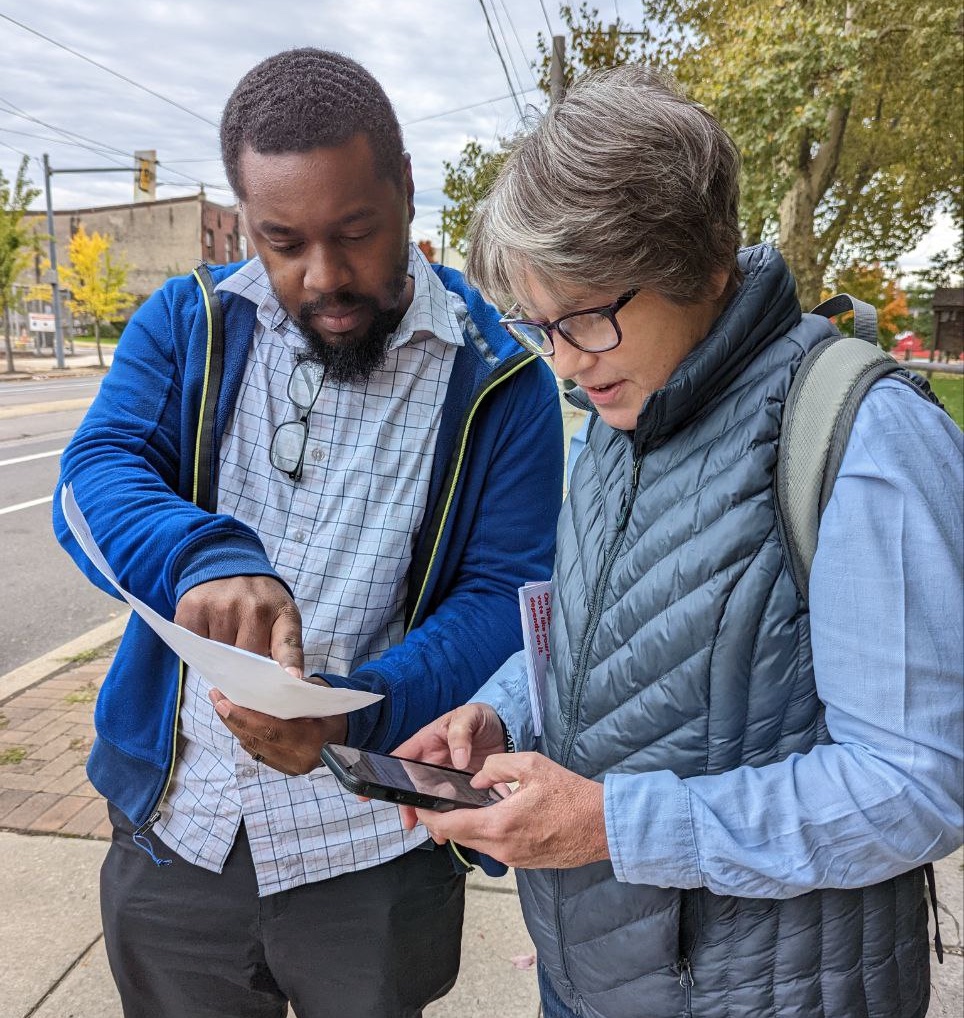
299	536
317	453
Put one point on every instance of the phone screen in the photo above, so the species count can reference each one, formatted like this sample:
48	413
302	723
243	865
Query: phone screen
414	776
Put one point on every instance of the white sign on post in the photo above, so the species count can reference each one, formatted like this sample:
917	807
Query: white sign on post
40	323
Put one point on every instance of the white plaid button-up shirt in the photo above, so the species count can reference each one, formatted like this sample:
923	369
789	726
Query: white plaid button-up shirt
342	538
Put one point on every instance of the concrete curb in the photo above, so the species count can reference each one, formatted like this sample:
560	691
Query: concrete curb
59	659
30	409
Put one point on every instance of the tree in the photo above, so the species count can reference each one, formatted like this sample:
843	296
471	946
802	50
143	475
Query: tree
466	184
95	281
16	243
847	114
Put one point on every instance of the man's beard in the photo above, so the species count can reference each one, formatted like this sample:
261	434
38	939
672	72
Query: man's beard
350	360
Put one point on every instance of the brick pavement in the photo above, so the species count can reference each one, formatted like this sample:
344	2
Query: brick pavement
45	735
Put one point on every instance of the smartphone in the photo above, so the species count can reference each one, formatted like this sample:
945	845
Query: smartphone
406	782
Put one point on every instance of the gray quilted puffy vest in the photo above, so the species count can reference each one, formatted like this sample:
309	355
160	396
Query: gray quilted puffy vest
684	646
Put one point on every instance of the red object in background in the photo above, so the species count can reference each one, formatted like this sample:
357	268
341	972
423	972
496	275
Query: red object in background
910	346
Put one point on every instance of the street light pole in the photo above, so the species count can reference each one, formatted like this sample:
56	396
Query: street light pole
54	287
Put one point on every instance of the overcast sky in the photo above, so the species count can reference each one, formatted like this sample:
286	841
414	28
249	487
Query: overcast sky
431	56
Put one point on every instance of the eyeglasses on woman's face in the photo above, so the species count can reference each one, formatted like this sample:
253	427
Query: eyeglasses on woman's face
594	330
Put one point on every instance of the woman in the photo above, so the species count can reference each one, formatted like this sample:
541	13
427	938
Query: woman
733	795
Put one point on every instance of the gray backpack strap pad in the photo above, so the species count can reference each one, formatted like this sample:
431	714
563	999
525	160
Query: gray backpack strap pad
817	419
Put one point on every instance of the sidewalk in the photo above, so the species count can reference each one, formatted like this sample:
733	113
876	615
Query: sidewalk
76	365
53	835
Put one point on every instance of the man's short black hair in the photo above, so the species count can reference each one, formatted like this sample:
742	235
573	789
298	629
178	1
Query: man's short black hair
308	98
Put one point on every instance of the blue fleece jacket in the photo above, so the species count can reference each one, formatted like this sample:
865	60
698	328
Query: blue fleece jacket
489	525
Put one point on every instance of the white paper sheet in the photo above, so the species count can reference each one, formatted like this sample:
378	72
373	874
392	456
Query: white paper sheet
246	679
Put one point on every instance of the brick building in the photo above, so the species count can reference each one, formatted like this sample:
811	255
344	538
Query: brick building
155	239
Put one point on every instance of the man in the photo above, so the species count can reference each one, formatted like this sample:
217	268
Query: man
387	471
738	782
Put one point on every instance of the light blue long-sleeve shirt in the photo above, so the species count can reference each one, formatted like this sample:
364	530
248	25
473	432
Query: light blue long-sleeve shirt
887	630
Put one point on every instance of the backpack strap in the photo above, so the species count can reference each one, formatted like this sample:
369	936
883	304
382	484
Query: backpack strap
204	493
817	419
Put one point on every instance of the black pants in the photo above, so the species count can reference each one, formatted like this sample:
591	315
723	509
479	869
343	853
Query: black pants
184	942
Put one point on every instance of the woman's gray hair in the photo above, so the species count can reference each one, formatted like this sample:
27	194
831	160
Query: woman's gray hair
625	183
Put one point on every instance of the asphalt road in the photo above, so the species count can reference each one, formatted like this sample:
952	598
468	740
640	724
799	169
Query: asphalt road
44	599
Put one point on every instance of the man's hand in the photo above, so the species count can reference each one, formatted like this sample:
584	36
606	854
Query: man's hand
292	747
554	818
252	612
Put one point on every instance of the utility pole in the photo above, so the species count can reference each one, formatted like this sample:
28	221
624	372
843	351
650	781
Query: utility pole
557	63
441	259
54	287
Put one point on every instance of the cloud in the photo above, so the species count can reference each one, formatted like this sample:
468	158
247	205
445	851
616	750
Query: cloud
430	55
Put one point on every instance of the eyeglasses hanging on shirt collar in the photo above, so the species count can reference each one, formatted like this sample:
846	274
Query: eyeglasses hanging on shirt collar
290	440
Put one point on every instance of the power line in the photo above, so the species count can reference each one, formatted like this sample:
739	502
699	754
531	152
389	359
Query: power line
546	16
109	70
19	152
94	146
522	49
505	44
100	148
461	109
498	53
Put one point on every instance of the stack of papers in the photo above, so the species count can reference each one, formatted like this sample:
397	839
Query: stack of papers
535	602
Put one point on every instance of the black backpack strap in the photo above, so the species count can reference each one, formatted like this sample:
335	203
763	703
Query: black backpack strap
205	494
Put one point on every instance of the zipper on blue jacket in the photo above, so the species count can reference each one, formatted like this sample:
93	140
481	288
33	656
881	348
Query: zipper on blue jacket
579	672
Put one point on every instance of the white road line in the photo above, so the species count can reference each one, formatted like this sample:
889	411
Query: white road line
25	505
32	456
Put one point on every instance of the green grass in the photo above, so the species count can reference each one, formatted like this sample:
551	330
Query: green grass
86	694
950	391
84	657
13	755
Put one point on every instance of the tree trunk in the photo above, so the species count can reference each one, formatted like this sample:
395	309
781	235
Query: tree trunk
100	355
797	242
7	341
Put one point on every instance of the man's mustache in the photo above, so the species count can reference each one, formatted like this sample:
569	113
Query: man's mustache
337	305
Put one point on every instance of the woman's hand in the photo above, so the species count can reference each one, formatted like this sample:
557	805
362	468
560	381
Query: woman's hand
464	739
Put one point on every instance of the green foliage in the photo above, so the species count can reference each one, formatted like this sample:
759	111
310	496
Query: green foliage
13	755
591	45
950	391
847	115
466	183
16	242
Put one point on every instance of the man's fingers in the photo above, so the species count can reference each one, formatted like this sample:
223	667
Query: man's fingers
286	647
